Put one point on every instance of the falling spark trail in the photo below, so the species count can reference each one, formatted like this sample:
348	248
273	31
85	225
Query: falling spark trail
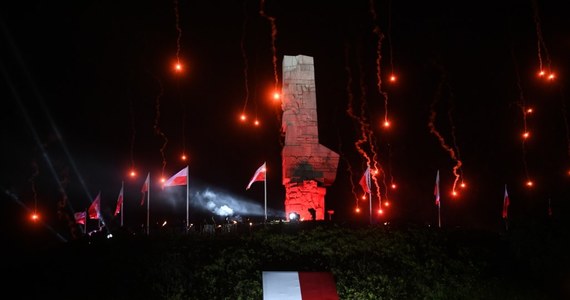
244	57
350	112
390	36
133	134
178	30
452	128
379	38
156	127
541	45
434	131
521	103
361	122
179	68
273	38
368	135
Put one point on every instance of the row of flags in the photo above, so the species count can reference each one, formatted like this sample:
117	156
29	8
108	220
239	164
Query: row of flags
365	184
181	178
94	210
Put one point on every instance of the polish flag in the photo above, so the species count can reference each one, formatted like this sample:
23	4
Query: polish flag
80	217
179	178
365	181
506	203
299	286
436	190
95	208
145	187
119	202
258	176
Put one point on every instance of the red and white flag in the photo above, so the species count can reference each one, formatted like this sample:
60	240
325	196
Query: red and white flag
258	176
145	187
95	208
506	203
80	217
119	202
299	286
365	181
436	190
179	178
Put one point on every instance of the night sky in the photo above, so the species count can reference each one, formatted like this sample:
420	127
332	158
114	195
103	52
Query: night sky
89	91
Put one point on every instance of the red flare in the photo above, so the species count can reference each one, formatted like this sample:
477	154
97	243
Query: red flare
276	96
35	217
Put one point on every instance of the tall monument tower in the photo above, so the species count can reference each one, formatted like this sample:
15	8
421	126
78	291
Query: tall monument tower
308	167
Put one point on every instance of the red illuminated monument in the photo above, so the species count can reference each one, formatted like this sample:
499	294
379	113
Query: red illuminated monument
308	167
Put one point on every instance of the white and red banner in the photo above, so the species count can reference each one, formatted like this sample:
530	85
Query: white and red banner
258	176
436	190
145	187
285	285
80	217
95	208
119	202
365	181
179	178
506	203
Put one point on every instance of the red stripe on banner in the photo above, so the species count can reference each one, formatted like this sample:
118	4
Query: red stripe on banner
317	286
179	181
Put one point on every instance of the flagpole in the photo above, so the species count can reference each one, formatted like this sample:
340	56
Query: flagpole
439	214
505	217
187	193
122	201
369	194
147	204
438	200
265	191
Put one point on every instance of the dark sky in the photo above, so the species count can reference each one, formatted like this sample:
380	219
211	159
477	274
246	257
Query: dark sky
95	80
